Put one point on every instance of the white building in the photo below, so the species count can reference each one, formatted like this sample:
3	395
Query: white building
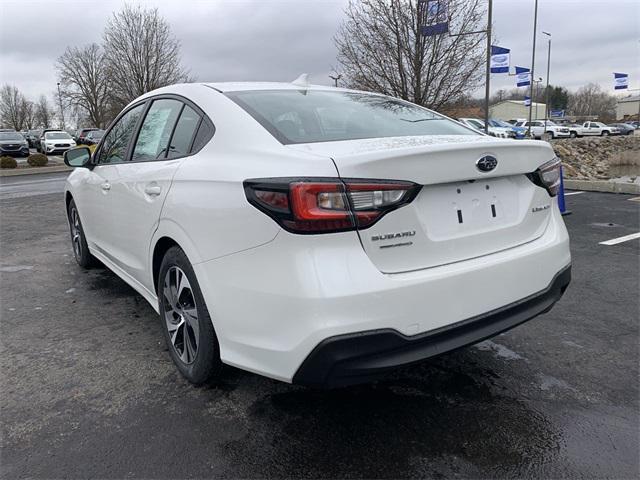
513	109
628	108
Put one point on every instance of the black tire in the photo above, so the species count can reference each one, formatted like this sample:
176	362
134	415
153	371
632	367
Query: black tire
78	238
573	134
604	133
205	364
551	135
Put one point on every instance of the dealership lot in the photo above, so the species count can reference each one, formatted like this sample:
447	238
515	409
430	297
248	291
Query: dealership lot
92	392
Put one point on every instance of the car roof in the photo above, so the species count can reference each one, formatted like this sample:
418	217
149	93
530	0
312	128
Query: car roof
245	86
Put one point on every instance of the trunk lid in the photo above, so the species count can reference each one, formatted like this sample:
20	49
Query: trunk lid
460	212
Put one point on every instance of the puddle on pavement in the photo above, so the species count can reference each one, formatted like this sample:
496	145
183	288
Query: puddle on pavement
445	409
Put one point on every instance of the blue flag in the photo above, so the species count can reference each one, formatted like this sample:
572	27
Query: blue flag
527	101
436	17
621	81
523	77
500	59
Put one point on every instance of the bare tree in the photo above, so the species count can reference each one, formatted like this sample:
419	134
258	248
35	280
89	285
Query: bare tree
591	100
44	113
13	107
29	114
380	49
85	87
141	53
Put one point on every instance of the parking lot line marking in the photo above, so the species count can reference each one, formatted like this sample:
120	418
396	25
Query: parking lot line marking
634	199
626	238
572	193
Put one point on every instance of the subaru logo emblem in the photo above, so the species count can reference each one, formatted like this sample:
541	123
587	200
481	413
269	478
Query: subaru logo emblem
487	163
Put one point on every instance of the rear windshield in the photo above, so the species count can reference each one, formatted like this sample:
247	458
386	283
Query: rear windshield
308	116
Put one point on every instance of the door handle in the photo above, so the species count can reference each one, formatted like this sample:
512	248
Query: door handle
106	186
153	190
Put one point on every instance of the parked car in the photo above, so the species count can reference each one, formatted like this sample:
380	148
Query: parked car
33	138
93	137
320	239
55	141
478	125
82	133
13	144
593	129
8	130
540	128
518	132
623	128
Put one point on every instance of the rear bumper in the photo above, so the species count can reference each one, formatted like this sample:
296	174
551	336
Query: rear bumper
365	356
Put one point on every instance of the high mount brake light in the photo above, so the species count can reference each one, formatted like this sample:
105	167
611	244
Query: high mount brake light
324	205
548	176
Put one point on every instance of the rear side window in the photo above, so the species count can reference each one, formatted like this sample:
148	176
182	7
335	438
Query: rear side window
184	132
153	139
205	132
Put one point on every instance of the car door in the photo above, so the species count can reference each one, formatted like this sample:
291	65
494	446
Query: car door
95	201
139	185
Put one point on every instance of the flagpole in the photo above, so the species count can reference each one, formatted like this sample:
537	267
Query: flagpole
487	85
533	65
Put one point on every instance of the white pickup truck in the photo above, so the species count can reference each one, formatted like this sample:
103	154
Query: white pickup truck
539	129
592	128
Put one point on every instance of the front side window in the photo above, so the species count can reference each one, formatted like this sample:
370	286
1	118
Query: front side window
114	147
153	140
305	116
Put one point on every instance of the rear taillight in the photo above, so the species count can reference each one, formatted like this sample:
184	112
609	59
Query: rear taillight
319	205
548	176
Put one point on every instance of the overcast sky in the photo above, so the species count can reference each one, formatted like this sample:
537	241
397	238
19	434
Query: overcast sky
278	40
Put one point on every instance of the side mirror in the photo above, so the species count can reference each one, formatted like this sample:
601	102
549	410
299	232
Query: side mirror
78	157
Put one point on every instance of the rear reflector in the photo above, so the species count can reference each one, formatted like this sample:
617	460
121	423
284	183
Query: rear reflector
321	205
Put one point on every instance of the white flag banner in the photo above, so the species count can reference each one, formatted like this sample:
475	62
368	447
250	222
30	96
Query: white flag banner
621	81
500	59
523	77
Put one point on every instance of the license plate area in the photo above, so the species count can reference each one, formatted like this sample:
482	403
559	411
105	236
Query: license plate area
465	208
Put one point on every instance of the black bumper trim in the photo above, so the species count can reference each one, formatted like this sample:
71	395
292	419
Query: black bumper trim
365	356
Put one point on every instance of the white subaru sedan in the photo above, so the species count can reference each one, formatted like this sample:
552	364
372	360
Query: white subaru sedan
317	235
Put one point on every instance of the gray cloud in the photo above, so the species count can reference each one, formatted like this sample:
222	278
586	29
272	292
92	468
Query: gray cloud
278	40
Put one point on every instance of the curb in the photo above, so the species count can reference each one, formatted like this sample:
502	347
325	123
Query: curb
34	170
602	186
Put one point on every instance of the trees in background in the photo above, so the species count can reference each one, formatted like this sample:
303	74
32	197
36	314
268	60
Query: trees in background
84	85
44	113
15	110
591	100
141	54
138	54
380	49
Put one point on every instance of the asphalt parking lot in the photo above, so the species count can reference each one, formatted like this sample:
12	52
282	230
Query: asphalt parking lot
89	390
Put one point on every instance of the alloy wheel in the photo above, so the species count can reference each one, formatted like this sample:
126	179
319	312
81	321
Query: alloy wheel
181	314
76	233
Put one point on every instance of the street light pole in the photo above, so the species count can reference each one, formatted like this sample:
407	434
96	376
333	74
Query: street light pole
487	85
61	109
546	113
335	78
533	64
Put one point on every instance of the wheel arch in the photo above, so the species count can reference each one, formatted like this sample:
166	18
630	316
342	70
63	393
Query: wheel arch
168	235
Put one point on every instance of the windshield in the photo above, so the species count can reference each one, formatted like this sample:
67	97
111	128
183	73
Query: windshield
57	135
11	136
96	134
306	116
